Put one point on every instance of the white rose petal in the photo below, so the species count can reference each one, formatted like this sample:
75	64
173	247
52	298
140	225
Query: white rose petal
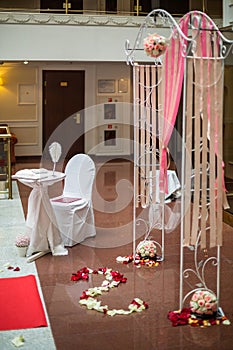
18	341
105	284
226	322
121	259
7	264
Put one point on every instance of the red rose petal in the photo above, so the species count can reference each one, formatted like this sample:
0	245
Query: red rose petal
84	295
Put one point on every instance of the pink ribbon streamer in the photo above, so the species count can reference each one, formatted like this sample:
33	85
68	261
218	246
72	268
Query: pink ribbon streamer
205	53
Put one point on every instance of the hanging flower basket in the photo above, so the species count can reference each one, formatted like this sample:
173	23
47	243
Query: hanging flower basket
146	250
155	45
203	304
201	313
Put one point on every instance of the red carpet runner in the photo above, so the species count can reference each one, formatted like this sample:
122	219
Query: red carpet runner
20	304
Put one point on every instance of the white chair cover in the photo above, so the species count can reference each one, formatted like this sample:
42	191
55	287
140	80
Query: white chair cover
73	210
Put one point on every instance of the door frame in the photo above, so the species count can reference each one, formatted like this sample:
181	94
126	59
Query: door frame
89	93
44	142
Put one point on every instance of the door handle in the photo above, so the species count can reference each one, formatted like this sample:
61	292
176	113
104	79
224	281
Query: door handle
77	118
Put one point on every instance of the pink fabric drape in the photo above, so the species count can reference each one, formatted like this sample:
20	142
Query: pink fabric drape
173	73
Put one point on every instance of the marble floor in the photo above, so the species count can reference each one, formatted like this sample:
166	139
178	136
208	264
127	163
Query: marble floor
75	327
13	223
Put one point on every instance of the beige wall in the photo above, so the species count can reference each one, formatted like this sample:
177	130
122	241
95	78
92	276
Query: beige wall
21	100
18	93
95	123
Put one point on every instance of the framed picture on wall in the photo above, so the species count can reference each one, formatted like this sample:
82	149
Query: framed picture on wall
106	86
109	111
110	137
26	94
122	85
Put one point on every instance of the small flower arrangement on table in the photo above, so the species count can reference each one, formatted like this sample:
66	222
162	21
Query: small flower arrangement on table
155	45
22	241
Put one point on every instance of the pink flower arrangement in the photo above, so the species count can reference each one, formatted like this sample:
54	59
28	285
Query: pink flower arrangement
22	241
203	302
155	45
146	249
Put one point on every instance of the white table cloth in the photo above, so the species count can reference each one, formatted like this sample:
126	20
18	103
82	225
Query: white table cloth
173	186
171	214
41	223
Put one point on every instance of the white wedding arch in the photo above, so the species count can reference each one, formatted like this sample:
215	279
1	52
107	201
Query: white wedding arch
192	71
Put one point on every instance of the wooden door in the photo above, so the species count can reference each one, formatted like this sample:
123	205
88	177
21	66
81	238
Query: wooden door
63	116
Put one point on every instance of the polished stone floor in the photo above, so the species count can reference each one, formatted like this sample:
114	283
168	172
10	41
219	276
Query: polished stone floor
75	327
12	224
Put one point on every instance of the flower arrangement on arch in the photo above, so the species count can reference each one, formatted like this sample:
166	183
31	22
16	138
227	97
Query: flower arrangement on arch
203	302
22	241
146	249
155	45
202	312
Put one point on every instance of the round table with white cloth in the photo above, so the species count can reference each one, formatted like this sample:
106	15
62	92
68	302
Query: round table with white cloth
41	223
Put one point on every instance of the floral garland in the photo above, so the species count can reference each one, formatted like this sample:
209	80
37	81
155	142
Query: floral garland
112	280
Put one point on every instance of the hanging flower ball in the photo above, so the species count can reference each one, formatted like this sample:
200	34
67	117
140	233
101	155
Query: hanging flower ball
203	302
155	45
146	249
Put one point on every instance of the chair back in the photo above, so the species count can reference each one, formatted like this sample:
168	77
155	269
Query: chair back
80	175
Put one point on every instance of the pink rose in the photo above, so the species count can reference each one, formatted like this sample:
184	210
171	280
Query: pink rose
195	297
208	305
201	302
207	298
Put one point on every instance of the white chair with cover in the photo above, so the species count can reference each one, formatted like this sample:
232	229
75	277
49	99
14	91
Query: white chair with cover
73	209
